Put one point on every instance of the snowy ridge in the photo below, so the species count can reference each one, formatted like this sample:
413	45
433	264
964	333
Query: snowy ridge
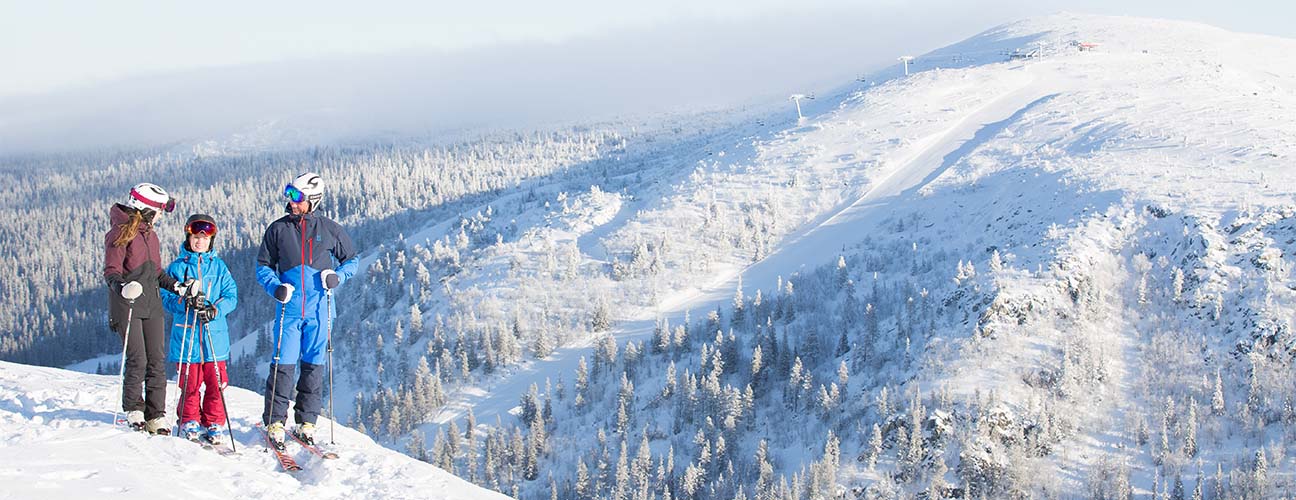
58	441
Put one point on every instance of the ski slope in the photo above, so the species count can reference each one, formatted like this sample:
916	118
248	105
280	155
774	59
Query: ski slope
57	441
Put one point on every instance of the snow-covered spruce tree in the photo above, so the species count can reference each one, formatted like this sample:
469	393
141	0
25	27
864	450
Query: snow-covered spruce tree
1260	474
601	320
1217	396
1190	430
875	446
739	305
416	447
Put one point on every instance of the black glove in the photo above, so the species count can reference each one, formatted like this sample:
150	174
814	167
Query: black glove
283	293
330	279
207	314
196	302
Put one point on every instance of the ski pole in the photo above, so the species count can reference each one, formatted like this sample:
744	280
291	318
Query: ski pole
182	367
274	368
186	348
130	293
184	336
220	387
328	341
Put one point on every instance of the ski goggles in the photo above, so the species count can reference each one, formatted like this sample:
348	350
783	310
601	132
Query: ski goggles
293	194
202	227
168	206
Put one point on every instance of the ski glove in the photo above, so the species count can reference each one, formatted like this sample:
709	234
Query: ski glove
197	302
132	291
207	314
330	279
283	293
187	288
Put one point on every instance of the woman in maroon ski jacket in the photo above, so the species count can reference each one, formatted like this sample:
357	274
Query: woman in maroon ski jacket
132	266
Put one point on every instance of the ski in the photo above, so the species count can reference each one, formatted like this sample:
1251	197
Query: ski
225	449
285	460
121	422
222	449
140	428
314	448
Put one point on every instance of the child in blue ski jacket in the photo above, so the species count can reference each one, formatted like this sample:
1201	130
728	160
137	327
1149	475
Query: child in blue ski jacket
200	340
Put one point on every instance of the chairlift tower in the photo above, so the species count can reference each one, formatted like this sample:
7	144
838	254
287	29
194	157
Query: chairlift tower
905	60
796	98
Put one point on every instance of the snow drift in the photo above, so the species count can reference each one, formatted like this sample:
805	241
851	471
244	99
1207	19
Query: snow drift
57	440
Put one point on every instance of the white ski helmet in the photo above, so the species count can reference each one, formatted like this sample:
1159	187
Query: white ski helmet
145	196
308	186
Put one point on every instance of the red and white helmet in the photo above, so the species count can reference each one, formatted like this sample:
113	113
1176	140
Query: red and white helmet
145	196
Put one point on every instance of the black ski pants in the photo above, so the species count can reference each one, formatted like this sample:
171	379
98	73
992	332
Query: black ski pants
146	366
280	387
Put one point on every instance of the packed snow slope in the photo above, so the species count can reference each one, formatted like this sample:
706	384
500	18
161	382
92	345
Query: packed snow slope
57	441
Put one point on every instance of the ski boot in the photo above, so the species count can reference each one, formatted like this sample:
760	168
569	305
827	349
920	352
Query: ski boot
191	430
217	434
157	426
276	432
306	433
135	419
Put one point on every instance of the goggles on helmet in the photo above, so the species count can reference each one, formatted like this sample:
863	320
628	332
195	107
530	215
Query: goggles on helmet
168	206
202	227
293	194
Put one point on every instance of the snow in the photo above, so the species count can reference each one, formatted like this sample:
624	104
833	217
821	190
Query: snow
57	440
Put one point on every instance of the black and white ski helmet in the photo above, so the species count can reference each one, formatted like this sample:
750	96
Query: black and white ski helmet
312	186
146	196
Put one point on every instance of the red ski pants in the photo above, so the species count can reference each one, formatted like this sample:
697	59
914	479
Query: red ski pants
198	402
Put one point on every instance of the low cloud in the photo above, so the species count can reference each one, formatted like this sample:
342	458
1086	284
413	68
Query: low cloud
662	68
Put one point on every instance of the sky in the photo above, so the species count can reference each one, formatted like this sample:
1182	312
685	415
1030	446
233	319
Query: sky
138	72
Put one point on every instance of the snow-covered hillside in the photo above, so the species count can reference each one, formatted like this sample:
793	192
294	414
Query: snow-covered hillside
1052	260
57	441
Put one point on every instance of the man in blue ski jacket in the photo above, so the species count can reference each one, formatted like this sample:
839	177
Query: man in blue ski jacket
303	256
